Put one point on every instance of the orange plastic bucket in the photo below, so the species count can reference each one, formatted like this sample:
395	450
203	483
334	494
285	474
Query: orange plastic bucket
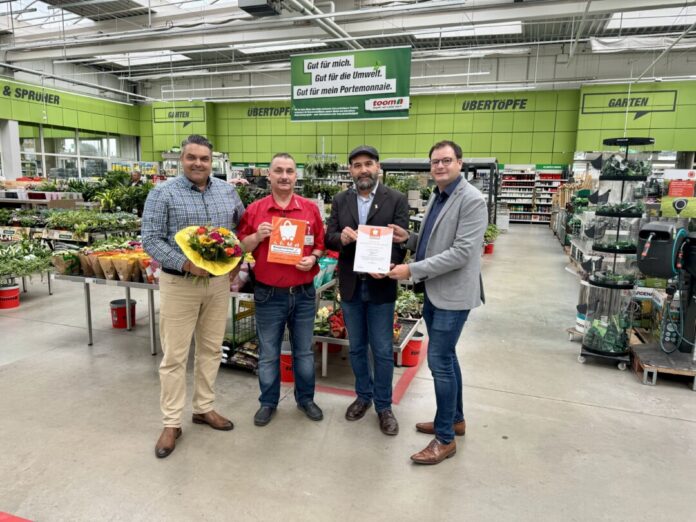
118	313
9	297
286	373
411	354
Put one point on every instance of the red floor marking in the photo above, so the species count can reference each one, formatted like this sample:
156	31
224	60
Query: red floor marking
399	389
6	517
404	382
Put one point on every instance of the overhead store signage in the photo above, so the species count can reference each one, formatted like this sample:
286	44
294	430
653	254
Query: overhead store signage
26	93
179	114
638	103
496	104
349	85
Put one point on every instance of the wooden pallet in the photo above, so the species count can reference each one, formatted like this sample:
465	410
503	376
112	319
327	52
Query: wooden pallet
649	360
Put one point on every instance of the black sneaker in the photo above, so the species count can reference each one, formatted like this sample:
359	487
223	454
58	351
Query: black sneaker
311	410
264	415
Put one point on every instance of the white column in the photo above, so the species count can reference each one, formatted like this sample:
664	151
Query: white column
9	147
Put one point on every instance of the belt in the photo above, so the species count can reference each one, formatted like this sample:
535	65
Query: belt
171	271
286	289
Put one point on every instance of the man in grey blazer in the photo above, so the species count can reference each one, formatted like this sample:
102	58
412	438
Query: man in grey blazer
448	262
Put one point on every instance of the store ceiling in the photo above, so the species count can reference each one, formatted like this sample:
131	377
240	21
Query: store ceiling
146	39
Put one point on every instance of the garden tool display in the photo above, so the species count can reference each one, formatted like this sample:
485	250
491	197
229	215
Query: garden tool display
669	252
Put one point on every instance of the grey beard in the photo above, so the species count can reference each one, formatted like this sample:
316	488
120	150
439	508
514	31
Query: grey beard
366	183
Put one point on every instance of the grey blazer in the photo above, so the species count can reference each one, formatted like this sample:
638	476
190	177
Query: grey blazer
451	269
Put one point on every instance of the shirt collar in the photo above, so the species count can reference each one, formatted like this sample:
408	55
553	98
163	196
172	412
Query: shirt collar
188	183
294	203
449	188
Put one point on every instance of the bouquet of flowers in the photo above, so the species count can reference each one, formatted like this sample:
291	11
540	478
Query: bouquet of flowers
214	249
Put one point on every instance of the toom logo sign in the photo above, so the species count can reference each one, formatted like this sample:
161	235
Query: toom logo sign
387	104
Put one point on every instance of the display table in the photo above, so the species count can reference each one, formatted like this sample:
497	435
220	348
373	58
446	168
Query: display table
408	328
127	285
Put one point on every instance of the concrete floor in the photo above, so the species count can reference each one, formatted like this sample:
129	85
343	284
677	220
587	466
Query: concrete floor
548	438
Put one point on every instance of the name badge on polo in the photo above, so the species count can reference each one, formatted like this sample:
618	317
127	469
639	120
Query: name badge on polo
309	240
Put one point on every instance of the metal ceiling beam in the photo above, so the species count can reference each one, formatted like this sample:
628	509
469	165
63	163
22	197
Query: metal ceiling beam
356	26
97	86
360	21
581	26
331	27
663	53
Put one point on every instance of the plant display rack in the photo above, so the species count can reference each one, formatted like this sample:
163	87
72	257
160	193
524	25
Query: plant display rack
607	318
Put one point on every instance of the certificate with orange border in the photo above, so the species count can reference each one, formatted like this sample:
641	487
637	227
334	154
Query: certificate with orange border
373	249
286	244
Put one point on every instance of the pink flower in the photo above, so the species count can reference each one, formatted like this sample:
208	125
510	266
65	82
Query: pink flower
237	251
216	237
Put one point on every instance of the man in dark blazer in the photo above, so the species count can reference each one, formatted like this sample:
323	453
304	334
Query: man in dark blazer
367	300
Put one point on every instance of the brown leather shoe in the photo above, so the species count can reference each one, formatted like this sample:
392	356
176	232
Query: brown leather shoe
357	409
167	442
435	453
429	428
214	420
388	423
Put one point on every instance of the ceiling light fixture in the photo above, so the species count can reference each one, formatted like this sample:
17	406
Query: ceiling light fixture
266	48
470	31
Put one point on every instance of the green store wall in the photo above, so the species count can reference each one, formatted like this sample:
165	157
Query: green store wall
664	111
539	128
163	125
33	104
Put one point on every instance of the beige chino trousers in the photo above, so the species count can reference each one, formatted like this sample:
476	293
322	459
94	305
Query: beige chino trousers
187	310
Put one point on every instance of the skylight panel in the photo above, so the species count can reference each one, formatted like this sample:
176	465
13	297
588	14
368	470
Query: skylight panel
653	18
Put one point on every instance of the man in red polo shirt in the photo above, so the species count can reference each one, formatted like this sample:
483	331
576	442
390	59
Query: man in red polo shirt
284	294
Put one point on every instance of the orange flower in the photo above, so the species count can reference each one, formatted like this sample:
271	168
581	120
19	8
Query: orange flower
201	231
229	251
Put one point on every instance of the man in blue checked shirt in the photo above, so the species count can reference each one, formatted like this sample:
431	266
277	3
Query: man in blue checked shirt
189	308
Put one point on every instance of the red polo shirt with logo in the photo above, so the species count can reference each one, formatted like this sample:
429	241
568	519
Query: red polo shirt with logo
265	209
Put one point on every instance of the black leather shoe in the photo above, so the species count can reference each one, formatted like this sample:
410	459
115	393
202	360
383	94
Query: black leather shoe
357	409
388	423
311	410
264	415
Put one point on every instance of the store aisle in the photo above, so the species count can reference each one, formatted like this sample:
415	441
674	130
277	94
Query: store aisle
547	438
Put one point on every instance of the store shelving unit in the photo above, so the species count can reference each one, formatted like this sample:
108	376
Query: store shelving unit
548	179
517	184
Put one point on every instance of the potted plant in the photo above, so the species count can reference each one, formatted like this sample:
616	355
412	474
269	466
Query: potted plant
489	237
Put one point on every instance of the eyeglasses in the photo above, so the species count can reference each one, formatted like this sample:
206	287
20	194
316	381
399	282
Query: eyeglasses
446	162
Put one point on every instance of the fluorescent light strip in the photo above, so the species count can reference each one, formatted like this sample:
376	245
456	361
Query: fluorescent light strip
178	52
143	58
265	48
474	30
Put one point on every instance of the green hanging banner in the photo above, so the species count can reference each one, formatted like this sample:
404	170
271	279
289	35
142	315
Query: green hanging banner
351	85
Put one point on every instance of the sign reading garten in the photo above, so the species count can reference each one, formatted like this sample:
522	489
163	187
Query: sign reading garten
349	85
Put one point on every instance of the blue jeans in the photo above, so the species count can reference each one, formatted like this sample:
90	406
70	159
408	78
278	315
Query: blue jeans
274	310
444	329
370	325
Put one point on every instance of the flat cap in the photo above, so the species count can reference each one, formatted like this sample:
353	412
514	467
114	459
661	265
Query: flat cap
363	149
